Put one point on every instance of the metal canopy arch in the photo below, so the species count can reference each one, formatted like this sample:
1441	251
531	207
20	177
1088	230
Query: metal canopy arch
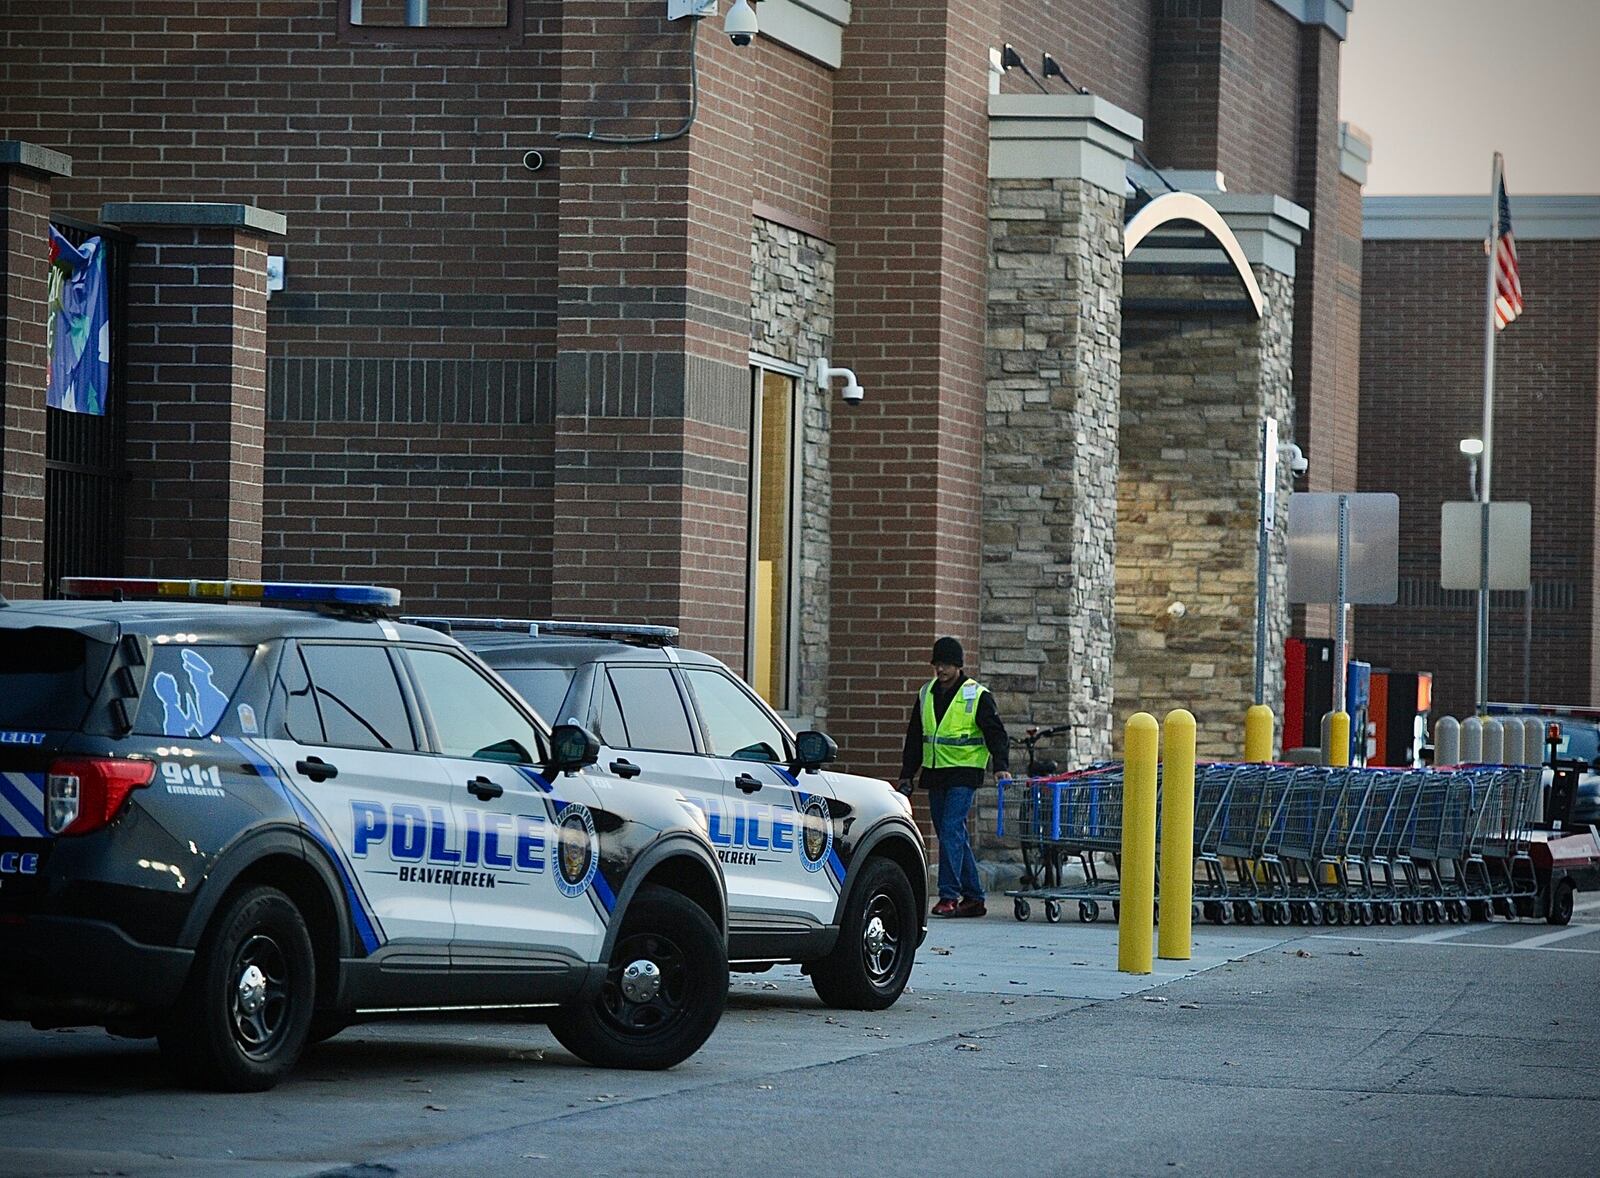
1186	206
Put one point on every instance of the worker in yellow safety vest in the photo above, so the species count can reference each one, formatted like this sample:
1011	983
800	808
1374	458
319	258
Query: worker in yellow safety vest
954	735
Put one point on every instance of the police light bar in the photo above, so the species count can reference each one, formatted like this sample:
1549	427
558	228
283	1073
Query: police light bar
620	631
258	592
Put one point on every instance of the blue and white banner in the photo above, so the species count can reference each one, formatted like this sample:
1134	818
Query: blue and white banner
79	332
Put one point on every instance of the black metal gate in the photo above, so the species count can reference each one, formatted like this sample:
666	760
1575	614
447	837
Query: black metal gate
85	476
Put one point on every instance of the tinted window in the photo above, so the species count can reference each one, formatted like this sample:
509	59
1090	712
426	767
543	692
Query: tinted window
472	717
48	677
1579	742
358	698
612	730
543	687
652	710
294	704
735	724
188	688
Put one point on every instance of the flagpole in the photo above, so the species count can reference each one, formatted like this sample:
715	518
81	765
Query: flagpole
1487	464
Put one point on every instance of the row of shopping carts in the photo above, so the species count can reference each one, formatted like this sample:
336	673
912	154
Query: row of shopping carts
1297	844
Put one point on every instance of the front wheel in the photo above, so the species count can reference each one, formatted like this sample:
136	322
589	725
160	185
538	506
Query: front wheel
1560	910
871	963
665	988
244	1015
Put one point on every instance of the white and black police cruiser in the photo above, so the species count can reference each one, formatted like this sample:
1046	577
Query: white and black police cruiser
823	868
239	828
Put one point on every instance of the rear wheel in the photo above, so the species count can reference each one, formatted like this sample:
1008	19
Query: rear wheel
871	963
664	990
243	1017
1561	903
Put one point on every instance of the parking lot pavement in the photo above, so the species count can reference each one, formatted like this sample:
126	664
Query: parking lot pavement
1020	1042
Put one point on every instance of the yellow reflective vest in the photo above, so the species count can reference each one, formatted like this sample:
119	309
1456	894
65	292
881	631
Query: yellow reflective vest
955	741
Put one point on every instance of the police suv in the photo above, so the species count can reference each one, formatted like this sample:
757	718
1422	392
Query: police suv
239	828
823	868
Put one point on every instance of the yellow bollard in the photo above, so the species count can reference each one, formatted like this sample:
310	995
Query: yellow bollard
1338	750
1258	733
1177	833
1138	844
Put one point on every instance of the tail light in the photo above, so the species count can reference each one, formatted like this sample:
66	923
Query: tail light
83	794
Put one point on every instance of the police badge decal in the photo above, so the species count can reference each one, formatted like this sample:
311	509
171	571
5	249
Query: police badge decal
577	850
817	832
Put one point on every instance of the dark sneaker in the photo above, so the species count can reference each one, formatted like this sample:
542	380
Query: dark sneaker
969	908
945	908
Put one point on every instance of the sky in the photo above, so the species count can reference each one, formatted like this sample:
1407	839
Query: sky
1441	85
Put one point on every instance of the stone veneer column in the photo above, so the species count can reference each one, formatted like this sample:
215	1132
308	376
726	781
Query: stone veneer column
26	171
197	368
1056	168
1199	372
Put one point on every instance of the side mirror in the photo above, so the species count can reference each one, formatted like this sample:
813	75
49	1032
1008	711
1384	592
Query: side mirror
813	750
572	746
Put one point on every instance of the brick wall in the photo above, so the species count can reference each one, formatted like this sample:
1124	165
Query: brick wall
196	413
1103	45
1421	392
910	223
24	269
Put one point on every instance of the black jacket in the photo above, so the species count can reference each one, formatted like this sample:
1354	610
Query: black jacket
994	736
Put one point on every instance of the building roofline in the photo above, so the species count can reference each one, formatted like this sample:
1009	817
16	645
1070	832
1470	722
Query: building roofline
1466	218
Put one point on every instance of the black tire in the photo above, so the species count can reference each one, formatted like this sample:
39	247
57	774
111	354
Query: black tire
1560	911
617	1029
871	963
244	1014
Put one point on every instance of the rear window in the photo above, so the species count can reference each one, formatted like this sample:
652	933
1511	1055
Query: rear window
188	688
543	687
48	678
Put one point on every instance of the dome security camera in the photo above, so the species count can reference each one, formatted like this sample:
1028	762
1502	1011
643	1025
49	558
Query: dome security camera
740	24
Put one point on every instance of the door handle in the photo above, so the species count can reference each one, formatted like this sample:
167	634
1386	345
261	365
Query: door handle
483	789
625	769
747	783
316	768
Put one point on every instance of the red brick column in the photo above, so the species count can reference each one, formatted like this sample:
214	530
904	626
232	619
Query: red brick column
653	327
197	337
26	171
910	218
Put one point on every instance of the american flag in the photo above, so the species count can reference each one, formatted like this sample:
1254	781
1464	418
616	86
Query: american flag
1507	280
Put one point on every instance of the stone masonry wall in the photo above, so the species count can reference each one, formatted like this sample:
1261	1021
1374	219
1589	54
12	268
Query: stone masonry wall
1195	385
1050	461
791	319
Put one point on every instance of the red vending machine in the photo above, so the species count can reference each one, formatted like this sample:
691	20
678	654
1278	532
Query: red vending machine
1398	717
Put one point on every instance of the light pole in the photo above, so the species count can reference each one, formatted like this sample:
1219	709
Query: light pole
1472	447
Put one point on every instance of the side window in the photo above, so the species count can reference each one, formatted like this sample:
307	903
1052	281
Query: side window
473	719
359	698
542	688
612	730
735	725
294	704
189	688
652	709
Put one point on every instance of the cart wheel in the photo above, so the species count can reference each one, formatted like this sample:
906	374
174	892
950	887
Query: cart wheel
1505	907
1560	910
1088	911
1380	914
1212	911
1021	909
1116	910
1313	915
1430	912
1052	911
1224	913
1465	911
1408	915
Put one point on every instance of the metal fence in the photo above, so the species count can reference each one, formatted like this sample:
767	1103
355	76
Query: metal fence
85	473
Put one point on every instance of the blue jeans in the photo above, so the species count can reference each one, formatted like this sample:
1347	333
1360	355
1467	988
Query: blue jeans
958	866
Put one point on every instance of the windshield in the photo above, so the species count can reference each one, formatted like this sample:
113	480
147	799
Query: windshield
48	678
1579	741
543	688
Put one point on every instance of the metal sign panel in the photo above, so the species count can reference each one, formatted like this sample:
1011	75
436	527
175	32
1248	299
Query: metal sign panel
1269	474
1372	558
1461	545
